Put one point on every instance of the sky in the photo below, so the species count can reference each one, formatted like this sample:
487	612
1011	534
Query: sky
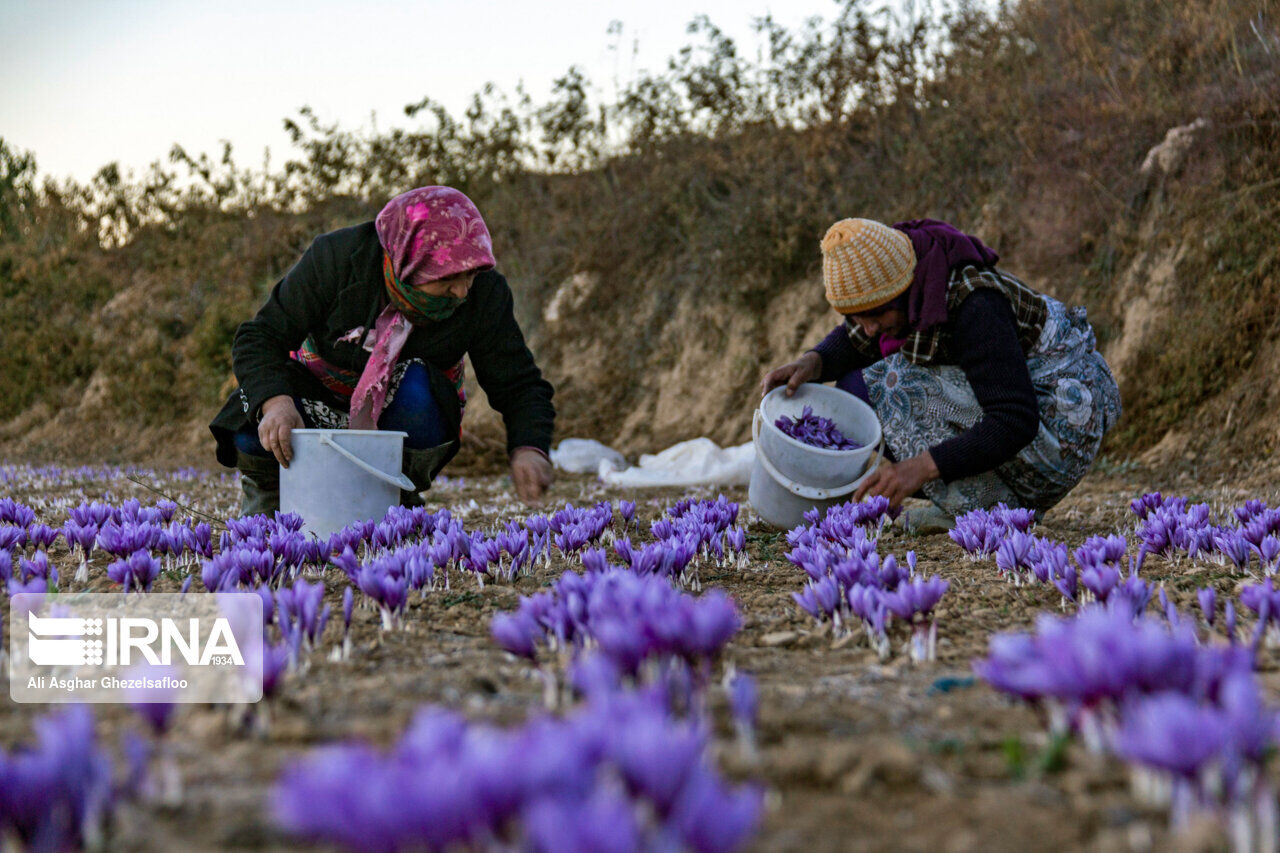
87	82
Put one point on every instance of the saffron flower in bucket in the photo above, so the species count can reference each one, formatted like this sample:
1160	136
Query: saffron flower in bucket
815	431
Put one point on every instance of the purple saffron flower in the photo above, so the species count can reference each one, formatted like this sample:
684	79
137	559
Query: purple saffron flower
12	537
517	633
595	560
815	431
42	536
57	793
656	757
1100	579
155	705
712	819
604	822
34	587
917	596
299	608
1208	598
1171	732
1232	545
274	663
1269	553
744	699
138	570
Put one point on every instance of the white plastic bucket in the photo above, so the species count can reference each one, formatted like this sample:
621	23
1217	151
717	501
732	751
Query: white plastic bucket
339	476
789	477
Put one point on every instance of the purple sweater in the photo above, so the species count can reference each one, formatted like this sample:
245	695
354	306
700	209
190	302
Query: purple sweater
984	344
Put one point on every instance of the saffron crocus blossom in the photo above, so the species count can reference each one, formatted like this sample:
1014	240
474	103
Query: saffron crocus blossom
626	512
1208	598
1170	731
914	598
17	514
630	618
1013	555
1100	580
37	567
1100	654
123	539
517	633
137	571
36	586
41	536
12	537
1249	510
744	701
712	819
815	431
300	608
618	774
155	706
1269	553
348	604
1143	506
274	663
83	537
1232	545
56	794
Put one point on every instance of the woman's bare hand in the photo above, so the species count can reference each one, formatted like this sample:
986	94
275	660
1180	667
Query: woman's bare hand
279	418
806	368
531	474
899	481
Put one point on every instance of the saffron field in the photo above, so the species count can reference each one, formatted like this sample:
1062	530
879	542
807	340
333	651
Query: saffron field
658	670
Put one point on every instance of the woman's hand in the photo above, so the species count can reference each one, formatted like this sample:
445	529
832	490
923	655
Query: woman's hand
531	473
899	480
279	418
806	368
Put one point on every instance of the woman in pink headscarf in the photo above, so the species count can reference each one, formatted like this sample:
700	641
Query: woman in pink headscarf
369	331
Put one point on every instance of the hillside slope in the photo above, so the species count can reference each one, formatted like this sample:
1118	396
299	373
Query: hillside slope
1120	155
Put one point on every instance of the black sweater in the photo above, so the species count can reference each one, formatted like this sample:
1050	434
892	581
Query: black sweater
984	344
337	286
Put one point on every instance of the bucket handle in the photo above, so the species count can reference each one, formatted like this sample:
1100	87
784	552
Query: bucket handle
812	493
396	479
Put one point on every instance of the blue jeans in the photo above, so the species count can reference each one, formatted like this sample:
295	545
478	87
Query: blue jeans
412	410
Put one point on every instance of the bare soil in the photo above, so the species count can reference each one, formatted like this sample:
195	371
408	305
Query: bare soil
856	754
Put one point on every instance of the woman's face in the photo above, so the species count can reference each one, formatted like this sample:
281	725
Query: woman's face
457	285
885	320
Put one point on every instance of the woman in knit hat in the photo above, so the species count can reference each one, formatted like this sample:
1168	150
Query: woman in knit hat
369	331
987	391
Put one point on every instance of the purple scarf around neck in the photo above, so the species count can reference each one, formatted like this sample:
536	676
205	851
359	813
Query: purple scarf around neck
939	249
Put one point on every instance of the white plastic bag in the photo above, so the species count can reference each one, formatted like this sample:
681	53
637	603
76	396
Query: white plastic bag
586	456
699	462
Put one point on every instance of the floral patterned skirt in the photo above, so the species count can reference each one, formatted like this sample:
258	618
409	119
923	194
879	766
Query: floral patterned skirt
922	405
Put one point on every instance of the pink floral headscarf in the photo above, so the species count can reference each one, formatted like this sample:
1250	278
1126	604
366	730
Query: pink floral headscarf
428	234
432	233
